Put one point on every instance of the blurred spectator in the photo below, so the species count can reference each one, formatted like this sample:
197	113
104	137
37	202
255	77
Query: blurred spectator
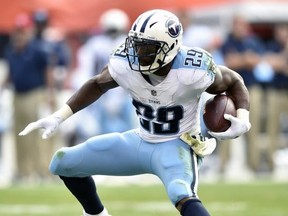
203	36
54	42
30	78
4	40
4	117
41	20
242	52
2	127
92	57
61	56
277	95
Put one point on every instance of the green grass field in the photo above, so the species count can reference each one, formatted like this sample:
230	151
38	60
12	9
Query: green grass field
253	199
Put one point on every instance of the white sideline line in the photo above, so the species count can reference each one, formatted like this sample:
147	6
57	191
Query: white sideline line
152	206
19	209
42	209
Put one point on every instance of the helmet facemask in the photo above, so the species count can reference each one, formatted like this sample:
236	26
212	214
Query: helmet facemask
144	55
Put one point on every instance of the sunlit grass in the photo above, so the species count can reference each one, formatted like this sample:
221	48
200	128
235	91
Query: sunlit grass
221	199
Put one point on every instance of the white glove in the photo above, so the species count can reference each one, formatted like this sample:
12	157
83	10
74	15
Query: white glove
49	123
239	126
202	146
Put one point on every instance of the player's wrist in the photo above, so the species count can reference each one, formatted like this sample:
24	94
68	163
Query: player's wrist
64	112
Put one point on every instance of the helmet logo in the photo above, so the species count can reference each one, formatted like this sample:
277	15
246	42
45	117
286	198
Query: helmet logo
174	28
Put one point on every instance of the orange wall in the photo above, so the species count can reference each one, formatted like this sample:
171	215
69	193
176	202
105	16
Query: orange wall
77	15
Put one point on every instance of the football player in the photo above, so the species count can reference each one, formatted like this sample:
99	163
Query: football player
165	81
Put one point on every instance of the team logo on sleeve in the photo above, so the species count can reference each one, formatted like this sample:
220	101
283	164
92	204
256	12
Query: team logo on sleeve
212	66
174	28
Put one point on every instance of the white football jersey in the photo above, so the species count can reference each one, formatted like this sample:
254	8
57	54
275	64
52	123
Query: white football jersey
170	108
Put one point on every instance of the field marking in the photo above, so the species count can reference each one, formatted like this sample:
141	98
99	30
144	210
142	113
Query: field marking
151	206
41	209
143	207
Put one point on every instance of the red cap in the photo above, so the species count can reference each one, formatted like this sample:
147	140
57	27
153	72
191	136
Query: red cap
23	21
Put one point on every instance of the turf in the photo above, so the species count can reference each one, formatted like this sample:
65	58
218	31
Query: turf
253	199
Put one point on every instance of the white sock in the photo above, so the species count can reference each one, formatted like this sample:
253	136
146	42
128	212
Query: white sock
103	213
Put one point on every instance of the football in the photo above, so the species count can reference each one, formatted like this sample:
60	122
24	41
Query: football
214	110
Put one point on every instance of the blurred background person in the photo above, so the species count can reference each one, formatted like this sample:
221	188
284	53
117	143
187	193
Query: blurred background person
54	41
3	126
277	94
242	51
31	82
92	56
200	35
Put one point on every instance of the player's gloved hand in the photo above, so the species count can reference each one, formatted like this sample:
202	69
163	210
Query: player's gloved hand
239	126
202	146
49	123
